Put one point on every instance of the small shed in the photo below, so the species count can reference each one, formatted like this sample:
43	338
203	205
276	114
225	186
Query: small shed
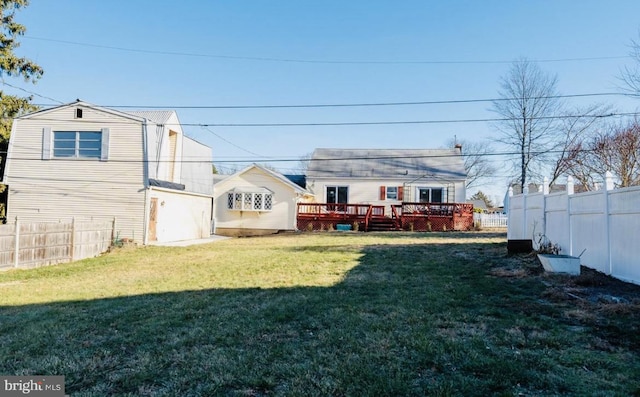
256	201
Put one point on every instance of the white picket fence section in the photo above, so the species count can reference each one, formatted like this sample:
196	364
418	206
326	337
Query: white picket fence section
602	227
490	220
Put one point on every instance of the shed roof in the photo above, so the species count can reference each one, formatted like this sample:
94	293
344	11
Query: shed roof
275	175
406	164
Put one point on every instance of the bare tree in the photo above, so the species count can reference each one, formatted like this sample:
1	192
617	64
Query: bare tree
619	152
615	149
303	163
528	104
630	75
573	131
477	162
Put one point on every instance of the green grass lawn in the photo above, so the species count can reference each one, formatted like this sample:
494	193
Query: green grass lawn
327	314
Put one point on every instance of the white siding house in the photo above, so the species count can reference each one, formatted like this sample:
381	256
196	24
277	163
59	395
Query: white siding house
387	176
89	162
256	201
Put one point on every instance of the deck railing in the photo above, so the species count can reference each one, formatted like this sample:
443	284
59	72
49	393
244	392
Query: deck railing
407	216
326	216
435	216
331	209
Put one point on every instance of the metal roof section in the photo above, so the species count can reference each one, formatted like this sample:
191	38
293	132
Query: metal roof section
166	184
407	164
156	116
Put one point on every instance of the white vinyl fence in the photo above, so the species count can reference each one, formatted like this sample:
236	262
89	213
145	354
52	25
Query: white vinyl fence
490	220
26	245
602	227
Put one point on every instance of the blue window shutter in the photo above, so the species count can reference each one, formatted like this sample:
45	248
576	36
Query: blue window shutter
104	153
46	143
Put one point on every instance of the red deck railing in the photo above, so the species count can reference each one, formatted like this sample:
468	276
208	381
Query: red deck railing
407	216
435	216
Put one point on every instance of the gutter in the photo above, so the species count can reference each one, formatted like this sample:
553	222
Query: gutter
145	176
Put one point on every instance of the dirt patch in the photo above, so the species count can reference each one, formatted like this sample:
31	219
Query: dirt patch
597	288
590	285
592	300
517	266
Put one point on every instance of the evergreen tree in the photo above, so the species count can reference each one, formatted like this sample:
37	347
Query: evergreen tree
12	66
481	196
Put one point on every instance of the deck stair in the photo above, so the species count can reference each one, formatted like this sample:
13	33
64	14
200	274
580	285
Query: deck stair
381	224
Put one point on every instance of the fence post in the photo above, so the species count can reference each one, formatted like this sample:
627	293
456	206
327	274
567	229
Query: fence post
16	258
113	232
569	193
73	237
525	193
545	193
608	185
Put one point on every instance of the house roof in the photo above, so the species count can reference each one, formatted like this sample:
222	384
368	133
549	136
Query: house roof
83	104
406	164
478	204
300	180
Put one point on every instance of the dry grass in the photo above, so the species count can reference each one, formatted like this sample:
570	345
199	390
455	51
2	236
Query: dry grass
321	314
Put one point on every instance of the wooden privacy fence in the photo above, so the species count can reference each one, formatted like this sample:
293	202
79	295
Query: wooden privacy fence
602	227
26	245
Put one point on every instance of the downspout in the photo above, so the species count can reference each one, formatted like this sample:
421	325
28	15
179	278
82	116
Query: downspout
145	173
160	138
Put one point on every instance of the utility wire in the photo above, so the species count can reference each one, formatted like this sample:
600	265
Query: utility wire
316	61
230	143
370	104
31	92
360	123
266	160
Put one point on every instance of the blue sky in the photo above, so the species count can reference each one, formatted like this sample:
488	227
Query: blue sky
247	53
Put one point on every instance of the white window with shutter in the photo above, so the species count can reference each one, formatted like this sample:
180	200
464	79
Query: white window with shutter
70	144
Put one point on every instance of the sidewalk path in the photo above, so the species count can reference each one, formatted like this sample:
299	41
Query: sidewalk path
186	243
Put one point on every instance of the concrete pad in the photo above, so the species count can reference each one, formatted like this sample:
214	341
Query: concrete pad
186	243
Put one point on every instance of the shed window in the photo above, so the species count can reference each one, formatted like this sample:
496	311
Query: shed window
249	201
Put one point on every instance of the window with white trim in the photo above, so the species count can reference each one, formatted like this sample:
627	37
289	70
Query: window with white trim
77	144
249	201
392	192
430	195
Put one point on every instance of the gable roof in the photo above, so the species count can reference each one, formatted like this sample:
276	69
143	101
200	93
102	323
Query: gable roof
405	164
276	175
83	104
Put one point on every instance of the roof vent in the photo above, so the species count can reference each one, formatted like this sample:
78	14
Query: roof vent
78	113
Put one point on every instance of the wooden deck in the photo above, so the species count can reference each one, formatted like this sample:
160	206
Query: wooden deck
405	216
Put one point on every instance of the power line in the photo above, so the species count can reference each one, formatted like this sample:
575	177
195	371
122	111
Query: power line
366	104
362	123
316	61
399	122
229	142
31	92
267	160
